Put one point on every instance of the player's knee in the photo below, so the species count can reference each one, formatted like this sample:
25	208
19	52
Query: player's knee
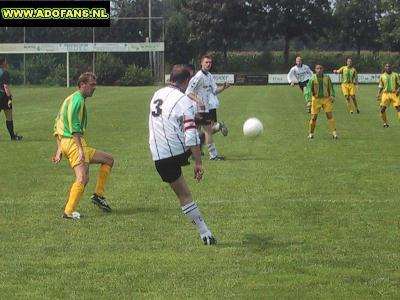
83	178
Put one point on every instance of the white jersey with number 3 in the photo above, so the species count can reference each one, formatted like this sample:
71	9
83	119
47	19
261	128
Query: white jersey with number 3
171	123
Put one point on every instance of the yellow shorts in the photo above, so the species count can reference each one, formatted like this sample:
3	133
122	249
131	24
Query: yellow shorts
317	103
388	98
348	89
70	151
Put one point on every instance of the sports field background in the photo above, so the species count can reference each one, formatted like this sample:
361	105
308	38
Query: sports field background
294	219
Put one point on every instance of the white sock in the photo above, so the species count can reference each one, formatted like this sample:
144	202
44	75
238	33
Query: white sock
193	213
212	150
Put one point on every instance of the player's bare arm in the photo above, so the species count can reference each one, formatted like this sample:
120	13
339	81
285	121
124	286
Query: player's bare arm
198	167
58	155
198	101
223	87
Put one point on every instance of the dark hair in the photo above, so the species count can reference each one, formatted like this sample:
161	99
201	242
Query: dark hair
2	60
84	78
179	74
206	56
190	67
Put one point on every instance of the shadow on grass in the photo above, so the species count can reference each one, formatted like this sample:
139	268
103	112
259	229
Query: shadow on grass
134	210
258	242
244	158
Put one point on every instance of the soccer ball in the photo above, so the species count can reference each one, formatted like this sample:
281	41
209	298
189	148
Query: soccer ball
252	127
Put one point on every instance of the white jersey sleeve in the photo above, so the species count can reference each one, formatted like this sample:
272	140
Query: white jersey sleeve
291	76
171	123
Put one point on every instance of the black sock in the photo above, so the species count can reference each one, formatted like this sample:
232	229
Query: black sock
10	127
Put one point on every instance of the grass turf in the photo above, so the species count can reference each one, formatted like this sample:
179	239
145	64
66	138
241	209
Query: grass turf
294	219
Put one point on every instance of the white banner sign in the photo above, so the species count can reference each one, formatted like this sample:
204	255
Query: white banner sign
80	47
219	78
362	78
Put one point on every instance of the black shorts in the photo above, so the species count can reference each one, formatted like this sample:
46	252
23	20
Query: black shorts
213	115
303	84
4	102
170	169
203	119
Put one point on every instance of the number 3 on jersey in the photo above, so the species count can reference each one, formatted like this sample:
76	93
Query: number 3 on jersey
156	109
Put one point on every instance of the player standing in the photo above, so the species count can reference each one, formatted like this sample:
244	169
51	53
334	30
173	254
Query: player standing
321	94
6	99
199	90
349	78
69	129
300	74
173	137
389	84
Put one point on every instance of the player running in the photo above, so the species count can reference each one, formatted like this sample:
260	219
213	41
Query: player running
389	84
300	74
321	94
349	78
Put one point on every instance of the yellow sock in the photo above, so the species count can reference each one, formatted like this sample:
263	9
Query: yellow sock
383	116
75	195
332	125
349	105
102	179
311	126
398	115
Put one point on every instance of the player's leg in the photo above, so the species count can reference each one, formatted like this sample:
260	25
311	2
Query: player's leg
302	86
353	97
217	126
315	108
346	94
311	126
190	209
10	125
332	124
106	162
78	187
385	102
212	150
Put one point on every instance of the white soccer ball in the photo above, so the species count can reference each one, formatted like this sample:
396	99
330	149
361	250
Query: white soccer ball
252	127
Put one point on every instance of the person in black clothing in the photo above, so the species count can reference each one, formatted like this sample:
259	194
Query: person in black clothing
6	99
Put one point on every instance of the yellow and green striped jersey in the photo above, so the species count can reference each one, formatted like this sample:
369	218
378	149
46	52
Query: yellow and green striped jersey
349	75
319	87
389	82
72	117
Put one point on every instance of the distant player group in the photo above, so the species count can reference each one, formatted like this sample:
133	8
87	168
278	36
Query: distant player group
320	94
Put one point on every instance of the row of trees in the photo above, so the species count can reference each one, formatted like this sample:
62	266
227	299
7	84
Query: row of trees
192	27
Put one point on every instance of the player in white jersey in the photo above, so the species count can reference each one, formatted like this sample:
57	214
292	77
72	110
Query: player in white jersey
199	90
172	138
300	74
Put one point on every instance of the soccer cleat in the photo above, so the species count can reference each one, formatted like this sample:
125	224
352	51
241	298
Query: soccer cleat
310	136
223	129
358	111
218	157
209	240
16	137
351	112
74	215
100	202
385	125
335	137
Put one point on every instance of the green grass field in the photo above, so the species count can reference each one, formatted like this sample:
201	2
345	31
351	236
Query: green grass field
294	219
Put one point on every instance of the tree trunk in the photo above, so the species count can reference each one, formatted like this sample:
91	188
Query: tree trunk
286	51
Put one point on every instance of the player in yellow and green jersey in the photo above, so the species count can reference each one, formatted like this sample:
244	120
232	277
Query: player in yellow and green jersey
389	90
349	78
69	129
322	95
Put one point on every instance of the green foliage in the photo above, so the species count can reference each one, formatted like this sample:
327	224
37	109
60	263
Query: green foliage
136	76
294	219
109	68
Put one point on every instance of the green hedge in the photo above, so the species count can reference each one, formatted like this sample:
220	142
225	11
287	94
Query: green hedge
273	62
50	69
